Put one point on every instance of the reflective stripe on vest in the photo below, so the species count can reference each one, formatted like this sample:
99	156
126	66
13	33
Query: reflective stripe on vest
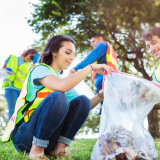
13	64
25	108
21	75
20	72
111	59
39	97
157	74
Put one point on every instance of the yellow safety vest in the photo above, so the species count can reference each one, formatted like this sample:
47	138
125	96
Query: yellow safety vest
157	74
19	73
24	107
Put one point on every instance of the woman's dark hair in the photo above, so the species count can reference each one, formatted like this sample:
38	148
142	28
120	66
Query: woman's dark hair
147	35
54	44
29	51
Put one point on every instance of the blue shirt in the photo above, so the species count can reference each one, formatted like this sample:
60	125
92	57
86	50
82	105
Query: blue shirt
40	72
97	54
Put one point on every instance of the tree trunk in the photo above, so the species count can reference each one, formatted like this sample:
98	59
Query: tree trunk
153	122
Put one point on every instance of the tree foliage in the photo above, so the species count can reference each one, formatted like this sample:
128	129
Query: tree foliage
121	22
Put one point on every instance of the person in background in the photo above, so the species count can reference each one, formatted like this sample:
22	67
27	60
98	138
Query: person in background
152	40
18	69
102	53
49	112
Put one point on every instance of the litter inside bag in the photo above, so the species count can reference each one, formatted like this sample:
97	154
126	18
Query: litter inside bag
127	102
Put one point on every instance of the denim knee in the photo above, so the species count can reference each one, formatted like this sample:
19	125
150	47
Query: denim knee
86	102
60	100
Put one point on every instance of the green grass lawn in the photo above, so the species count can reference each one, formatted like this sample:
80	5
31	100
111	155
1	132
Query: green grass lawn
79	150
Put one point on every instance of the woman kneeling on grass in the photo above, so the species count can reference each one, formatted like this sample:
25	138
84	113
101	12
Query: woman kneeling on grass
49	112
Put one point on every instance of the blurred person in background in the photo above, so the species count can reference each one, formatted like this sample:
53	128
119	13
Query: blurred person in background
102	53
18	69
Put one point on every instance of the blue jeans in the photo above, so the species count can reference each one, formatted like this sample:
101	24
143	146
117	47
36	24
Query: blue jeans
11	96
54	120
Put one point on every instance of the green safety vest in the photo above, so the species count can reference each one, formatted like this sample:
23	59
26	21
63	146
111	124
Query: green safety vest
24	107
19	74
157	74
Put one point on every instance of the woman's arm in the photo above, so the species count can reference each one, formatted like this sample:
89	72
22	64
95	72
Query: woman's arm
97	99
54	83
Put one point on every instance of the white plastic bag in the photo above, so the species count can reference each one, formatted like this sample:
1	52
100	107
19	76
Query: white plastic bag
127	102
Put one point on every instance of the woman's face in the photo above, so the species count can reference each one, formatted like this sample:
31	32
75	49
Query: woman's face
64	57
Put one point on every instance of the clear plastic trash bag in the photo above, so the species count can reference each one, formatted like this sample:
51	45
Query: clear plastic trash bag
127	102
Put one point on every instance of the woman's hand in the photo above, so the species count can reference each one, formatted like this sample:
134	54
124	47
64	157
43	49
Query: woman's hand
100	93
99	67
